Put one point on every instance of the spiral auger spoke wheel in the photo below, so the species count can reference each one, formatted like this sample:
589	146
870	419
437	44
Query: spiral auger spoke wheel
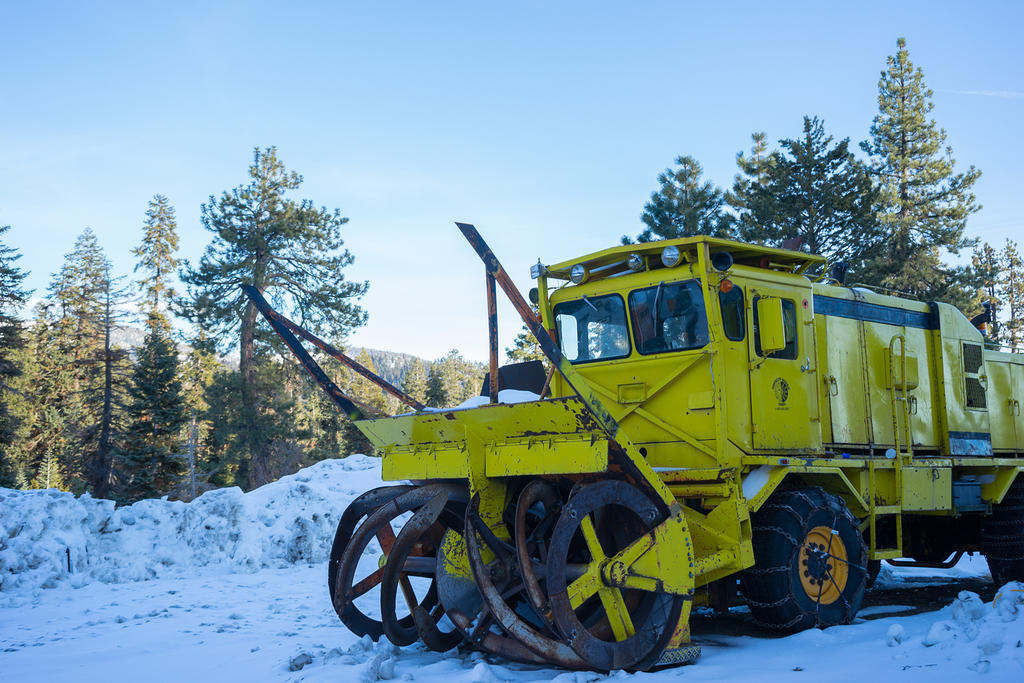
607	625
419	537
501	586
357	510
537	510
378	529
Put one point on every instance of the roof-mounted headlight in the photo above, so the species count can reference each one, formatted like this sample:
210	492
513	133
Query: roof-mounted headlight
578	274
671	257
635	262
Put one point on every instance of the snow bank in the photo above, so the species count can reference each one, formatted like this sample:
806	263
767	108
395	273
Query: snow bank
975	636
286	522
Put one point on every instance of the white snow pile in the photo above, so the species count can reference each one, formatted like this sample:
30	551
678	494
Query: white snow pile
976	635
286	522
504	396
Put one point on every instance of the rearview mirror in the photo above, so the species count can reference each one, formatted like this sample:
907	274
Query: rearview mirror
770	329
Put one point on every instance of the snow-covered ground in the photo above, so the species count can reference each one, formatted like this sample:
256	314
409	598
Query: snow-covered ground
233	587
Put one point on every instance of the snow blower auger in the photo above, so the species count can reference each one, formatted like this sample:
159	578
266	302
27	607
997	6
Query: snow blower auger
721	423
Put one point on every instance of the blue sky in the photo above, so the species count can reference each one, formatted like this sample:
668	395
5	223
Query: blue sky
545	124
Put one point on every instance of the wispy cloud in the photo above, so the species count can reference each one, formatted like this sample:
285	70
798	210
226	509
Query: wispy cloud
1002	94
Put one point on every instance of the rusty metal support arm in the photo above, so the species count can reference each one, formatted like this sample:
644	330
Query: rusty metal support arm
492	335
271	315
349	407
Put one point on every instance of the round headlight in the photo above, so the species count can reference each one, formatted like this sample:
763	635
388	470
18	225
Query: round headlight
635	262
578	274
670	256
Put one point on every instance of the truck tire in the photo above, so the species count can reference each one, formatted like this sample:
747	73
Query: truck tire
1002	536
810	562
874	568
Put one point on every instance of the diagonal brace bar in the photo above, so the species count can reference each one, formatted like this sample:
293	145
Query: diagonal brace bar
348	406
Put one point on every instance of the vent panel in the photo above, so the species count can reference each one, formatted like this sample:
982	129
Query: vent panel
975	393
972	358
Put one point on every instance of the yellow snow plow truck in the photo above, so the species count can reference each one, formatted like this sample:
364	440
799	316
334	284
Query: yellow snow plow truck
720	422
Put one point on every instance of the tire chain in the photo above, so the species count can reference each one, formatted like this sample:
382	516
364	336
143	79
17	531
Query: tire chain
788	509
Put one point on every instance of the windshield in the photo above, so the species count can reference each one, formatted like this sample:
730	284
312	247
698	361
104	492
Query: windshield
669	317
592	328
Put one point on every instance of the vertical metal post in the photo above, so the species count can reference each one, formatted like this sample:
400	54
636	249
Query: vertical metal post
492	333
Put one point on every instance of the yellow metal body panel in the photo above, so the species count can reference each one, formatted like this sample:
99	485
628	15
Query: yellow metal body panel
1003	415
539	456
844	383
927	488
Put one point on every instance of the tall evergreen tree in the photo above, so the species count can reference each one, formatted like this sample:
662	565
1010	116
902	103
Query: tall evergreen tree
156	257
13	296
44	451
987	270
525	348
367	394
816	194
923	203
79	321
437	392
1011	292
152	463
197	374
415	381
102	437
684	205
291	251
452	379
753	174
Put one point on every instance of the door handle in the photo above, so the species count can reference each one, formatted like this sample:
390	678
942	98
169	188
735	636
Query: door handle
913	405
831	385
806	366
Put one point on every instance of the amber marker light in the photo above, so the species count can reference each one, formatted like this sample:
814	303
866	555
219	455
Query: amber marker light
725	286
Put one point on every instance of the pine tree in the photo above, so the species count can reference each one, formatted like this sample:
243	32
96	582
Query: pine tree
1011	292
525	348
987	271
152	463
684	205
452	379
102	437
817	195
752	175
293	253
79	320
197	374
923	203
437	393
415	381
12	297
367	394
156	256
45	451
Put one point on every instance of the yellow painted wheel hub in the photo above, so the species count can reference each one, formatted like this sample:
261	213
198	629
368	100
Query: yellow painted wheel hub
824	565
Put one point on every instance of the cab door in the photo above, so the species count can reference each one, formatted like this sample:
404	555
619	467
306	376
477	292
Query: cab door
784	384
